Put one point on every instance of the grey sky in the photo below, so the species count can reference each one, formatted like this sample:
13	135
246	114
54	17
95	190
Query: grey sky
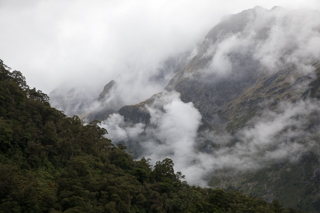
88	43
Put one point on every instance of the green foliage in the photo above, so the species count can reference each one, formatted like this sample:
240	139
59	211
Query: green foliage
164	170
53	163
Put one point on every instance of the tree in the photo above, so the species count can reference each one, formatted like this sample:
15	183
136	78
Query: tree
164	169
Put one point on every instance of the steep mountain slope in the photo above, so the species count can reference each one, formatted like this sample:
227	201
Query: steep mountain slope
298	178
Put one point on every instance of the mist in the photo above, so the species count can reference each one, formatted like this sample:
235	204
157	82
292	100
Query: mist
268	40
284	134
82	45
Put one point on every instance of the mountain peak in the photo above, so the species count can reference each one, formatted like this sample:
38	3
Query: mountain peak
278	8
106	90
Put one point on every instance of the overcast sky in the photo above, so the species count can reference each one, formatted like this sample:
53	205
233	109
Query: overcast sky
89	43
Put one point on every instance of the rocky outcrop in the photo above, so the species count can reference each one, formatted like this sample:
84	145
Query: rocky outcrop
106	90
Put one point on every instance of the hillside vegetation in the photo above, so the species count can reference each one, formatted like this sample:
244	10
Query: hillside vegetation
53	163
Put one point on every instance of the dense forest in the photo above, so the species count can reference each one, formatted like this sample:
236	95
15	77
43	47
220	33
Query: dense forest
53	163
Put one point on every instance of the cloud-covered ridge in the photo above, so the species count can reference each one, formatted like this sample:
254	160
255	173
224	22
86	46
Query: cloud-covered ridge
264	39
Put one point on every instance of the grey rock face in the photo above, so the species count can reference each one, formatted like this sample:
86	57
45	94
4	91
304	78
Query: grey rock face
106	90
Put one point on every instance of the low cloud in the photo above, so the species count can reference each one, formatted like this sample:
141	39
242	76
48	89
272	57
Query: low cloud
172	132
275	136
80	44
284	134
119	131
265	40
271	39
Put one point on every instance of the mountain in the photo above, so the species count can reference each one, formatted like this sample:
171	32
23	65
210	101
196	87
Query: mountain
243	113
214	93
88	104
71	101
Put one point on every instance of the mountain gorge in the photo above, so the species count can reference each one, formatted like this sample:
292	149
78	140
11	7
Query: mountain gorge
241	113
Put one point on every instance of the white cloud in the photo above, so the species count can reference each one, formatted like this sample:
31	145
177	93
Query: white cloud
271	38
173	131
118	131
274	136
90	43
